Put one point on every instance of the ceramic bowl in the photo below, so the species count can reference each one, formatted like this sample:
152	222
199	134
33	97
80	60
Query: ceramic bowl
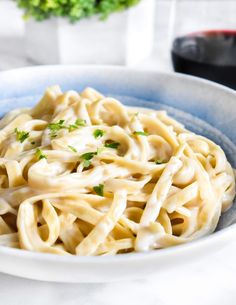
203	106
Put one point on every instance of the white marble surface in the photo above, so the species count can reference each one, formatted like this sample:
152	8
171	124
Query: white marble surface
210	280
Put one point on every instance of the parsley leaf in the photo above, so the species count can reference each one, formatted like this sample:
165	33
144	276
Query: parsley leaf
87	158
112	145
72	148
72	127
140	133
80	122
54	127
77	124
88	155
39	154
86	163
21	135
99	189
98	133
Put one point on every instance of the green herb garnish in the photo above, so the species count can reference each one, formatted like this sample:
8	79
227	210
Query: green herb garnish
98	133
72	148
99	189
39	154
140	133
87	158
78	123
112	145
88	155
159	162
21	135
72	127
86	163
54	127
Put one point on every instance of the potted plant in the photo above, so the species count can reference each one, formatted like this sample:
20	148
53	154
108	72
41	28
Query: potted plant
88	31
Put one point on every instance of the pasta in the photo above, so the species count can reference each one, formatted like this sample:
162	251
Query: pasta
82	174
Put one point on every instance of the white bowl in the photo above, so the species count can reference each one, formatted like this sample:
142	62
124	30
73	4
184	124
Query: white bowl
205	100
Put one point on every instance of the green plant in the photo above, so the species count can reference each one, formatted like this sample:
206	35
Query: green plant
74	10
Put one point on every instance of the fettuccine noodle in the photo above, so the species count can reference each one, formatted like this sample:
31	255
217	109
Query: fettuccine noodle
83	174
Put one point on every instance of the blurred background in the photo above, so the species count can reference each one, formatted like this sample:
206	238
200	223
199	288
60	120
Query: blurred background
14	43
196	37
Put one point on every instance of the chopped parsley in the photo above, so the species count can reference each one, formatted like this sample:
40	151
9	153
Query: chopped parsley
39	154
72	127
87	158
21	135
98	133
78	123
54	127
159	162
86	163
112	145
99	189
88	155
140	133
72	148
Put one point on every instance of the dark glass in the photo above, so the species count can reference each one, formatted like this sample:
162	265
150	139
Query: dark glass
208	54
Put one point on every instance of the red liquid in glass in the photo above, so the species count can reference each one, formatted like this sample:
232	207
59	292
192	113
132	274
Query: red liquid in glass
208	54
